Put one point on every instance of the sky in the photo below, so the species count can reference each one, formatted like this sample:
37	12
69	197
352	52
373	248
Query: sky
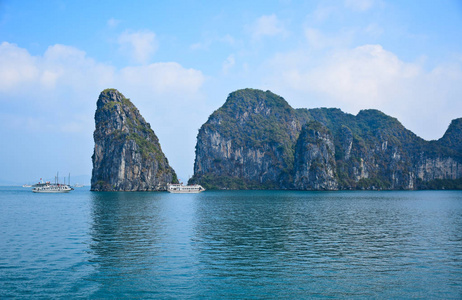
178	61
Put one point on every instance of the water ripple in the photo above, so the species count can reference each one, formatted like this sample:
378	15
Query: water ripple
254	244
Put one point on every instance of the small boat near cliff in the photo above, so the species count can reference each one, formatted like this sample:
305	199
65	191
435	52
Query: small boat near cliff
52	188
47	187
184	189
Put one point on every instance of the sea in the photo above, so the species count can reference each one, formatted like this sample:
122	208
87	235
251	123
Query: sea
230	245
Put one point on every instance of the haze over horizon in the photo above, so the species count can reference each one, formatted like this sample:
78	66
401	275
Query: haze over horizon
178	61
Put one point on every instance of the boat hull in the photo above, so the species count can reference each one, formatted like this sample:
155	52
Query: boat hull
50	191
184	192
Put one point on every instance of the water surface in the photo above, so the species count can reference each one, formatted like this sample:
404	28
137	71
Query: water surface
231	244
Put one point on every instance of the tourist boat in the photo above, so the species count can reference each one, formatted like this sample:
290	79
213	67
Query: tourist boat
47	187
51	188
185	189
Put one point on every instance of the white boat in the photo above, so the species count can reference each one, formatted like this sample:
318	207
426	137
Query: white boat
185	189
26	185
52	188
47	187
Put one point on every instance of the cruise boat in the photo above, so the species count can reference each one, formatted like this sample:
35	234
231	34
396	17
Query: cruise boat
52	188
47	187
185	189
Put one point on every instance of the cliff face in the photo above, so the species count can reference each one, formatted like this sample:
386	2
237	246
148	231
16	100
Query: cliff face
127	154
315	165
247	143
256	140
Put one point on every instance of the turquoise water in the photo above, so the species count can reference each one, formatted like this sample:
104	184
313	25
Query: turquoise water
231	244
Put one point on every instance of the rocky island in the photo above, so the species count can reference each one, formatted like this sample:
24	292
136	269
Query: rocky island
127	154
256	140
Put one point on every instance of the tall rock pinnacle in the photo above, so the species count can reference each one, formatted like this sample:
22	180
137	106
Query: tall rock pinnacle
127	154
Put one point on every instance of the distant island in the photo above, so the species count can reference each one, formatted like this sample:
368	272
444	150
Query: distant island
256	140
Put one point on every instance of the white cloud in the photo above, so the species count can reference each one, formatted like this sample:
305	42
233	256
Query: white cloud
16	67
60	64
68	66
44	92
267	26
67	80
360	76
139	46
161	78
228	64
113	22
372	77
57	92
64	67
315	38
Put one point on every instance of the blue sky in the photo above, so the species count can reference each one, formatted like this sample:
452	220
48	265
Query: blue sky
178	60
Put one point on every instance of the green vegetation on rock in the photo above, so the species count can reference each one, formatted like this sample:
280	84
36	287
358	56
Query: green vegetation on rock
250	142
128	155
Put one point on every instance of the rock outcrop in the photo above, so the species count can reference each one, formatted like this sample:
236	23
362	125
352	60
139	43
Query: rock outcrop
247	143
257	141
315	165
453	136
127	154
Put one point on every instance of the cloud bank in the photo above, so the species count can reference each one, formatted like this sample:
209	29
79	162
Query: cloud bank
369	76
57	92
67	78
